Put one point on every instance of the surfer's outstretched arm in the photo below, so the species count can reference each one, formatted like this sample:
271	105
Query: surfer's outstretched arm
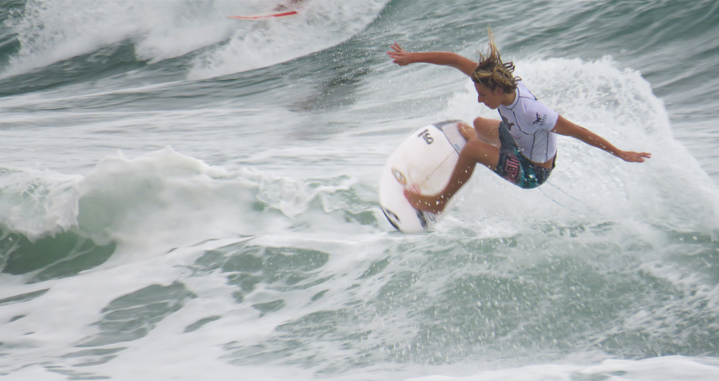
567	128
402	58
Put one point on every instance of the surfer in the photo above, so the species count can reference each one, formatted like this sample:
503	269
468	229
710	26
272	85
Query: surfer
286	7
522	147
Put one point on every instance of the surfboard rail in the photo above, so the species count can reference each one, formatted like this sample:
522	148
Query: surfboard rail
266	16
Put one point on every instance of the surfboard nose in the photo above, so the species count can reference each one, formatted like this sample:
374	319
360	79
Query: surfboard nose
423	163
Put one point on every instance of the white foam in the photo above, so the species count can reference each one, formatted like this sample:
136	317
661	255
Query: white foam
661	368
53	31
163	200
320	25
670	189
38	203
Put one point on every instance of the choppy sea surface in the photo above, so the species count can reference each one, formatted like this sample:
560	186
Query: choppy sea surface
188	197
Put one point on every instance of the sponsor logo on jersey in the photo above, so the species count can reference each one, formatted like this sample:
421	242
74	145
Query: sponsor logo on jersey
540	119
506	121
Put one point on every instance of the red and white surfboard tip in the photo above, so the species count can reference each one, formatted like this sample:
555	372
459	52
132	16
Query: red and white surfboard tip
267	16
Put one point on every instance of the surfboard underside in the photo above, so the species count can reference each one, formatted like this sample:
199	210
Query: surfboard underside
423	163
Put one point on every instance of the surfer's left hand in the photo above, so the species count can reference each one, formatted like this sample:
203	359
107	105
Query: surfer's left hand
400	56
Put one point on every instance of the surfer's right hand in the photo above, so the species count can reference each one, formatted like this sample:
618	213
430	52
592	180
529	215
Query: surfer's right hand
400	56
468	132
634	157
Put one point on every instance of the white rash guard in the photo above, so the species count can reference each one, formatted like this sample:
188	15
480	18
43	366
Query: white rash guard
530	122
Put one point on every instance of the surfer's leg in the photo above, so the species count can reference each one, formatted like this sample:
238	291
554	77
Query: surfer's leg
475	151
487	130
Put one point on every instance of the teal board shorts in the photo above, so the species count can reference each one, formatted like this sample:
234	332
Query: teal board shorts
516	168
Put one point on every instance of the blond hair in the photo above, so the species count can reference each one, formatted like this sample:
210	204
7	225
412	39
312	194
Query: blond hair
492	73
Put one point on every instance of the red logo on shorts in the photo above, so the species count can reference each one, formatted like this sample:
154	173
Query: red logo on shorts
511	169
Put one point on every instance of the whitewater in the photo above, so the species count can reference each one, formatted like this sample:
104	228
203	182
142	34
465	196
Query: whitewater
185	196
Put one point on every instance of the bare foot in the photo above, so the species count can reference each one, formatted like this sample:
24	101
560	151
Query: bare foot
433	204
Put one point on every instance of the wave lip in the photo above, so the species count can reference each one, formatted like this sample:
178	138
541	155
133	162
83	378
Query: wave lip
53	31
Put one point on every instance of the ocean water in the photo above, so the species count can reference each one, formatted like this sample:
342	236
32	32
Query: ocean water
189	197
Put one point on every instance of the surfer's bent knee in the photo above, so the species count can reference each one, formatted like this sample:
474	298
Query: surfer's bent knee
487	130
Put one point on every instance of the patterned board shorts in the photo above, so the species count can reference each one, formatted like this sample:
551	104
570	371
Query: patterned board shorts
516	168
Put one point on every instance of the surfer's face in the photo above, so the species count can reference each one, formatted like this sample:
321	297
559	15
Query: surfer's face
491	99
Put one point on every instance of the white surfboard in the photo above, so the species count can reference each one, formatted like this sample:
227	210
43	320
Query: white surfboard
424	163
266	16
